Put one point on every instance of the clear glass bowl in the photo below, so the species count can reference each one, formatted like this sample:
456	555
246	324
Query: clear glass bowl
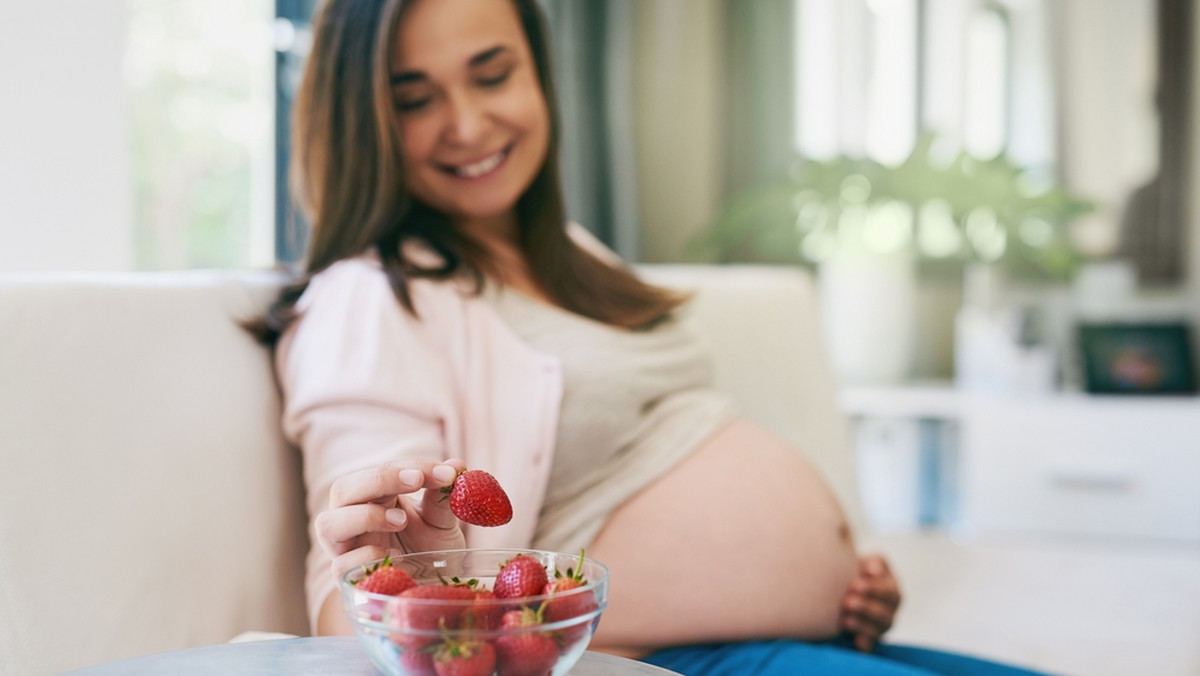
401	635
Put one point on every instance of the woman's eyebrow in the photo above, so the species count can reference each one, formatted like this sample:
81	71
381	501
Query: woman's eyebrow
407	76
479	59
487	55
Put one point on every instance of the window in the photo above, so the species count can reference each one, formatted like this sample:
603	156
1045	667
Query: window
200	77
857	67
872	74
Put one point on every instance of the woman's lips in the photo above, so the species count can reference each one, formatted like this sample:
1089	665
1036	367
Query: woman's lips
480	168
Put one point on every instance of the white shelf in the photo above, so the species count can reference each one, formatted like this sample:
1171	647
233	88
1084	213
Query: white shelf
1056	463
942	400
917	400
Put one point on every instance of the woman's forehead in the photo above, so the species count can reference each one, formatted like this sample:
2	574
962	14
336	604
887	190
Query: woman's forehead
442	34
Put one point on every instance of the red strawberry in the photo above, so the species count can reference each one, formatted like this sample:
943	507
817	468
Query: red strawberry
520	617
565	604
464	658
416	661
526	655
414	608
477	498
384	578
485	613
522	575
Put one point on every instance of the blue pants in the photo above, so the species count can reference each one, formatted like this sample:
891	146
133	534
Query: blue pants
784	657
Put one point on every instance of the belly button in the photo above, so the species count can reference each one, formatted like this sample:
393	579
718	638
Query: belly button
845	534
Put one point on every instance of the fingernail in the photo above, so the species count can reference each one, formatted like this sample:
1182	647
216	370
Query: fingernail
411	477
444	473
396	516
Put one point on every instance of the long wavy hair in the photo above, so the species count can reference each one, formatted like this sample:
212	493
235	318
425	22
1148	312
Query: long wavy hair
346	176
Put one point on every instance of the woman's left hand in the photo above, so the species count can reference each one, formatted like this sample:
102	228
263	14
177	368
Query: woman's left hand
869	605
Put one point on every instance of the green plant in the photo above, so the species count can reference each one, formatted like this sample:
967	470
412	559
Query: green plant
945	213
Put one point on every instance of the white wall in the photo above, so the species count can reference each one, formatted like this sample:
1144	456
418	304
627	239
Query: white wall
65	181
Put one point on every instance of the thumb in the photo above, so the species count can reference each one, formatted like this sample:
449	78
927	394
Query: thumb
435	506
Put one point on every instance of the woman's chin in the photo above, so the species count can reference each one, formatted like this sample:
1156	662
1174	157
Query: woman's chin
483	210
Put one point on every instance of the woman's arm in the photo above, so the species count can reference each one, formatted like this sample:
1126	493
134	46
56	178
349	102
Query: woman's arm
363	391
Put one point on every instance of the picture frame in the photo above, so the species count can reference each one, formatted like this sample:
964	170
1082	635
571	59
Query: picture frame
1137	359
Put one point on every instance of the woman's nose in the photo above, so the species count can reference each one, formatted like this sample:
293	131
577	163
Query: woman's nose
467	120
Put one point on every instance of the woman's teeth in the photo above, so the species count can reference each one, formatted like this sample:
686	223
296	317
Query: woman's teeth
481	167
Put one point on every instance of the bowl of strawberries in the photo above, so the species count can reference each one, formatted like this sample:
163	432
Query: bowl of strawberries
476	612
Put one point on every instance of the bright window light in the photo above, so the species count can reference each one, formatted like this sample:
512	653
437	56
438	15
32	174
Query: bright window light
200	77
986	85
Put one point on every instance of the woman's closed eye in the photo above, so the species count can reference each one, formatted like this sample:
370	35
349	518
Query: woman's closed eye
494	80
410	105
412	97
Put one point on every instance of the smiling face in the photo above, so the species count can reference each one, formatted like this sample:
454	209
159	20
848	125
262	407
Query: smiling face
473	120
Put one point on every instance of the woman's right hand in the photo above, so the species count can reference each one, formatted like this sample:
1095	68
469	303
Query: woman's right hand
373	513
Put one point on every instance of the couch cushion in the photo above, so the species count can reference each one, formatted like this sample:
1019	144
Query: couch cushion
147	501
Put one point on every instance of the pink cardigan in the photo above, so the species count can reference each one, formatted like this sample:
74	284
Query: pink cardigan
364	382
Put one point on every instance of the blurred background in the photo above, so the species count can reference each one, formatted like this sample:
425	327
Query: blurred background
994	197
1039	148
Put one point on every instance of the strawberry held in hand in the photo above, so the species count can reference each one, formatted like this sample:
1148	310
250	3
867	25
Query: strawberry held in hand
477	498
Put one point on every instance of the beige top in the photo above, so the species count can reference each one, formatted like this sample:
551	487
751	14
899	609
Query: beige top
634	404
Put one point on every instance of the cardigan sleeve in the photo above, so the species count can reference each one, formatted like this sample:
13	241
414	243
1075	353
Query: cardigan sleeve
364	383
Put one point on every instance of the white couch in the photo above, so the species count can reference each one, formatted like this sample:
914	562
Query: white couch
147	500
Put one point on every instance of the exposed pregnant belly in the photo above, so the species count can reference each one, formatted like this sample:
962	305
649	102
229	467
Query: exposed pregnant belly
742	540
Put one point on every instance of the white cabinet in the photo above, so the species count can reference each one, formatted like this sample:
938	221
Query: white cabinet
1064	464
1083	465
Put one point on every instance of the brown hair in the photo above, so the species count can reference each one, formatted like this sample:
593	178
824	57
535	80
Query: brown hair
346	176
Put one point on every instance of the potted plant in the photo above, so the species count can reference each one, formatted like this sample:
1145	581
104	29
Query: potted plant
946	214
872	229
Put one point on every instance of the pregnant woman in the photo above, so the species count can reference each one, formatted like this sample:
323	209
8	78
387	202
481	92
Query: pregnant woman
449	316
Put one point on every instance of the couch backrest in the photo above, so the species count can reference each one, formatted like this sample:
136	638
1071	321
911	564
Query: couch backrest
762	323
147	500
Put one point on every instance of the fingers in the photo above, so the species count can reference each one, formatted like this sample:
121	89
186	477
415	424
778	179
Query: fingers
869	606
368	510
381	484
873	565
338	529
871	611
865	631
875	579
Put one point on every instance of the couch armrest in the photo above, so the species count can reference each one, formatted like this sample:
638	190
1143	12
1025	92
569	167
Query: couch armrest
147	499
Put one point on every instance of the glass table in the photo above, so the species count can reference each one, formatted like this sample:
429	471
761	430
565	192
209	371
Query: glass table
321	656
